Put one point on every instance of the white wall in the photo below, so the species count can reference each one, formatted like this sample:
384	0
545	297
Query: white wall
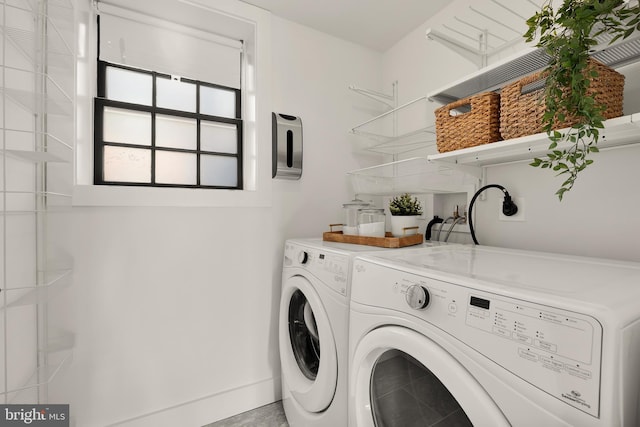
175	309
596	218
311	75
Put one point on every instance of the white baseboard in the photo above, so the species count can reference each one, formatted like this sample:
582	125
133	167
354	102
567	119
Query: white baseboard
209	409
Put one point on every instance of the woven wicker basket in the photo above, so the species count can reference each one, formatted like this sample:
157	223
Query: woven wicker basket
479	126
521	113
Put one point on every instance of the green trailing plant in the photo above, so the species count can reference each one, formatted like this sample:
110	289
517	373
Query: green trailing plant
404	205
567	34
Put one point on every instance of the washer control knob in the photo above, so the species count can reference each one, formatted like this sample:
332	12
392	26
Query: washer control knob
303	257
417	297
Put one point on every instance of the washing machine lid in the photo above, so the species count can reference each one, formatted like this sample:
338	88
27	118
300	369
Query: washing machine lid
470	396
307	346
589	279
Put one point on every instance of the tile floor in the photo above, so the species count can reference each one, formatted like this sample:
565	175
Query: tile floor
271	415
404	394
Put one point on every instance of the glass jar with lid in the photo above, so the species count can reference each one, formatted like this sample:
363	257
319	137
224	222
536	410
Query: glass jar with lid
371	222
350	225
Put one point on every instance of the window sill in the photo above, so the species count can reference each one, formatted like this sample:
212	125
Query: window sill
104	195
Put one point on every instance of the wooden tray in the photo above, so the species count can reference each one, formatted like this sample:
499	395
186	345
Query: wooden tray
384	242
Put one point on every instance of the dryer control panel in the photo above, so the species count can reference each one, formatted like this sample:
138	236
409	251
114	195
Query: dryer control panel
330	268
554	349
558	351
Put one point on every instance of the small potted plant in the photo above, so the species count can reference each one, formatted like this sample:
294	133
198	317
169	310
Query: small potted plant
405	211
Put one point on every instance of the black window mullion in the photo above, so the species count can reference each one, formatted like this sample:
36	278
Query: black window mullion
238	105
102	80
153	147
166	111
198	146
154	93
217	153
99	143
240	156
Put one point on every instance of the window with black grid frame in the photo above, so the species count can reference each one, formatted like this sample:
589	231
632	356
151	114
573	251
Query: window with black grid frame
154	129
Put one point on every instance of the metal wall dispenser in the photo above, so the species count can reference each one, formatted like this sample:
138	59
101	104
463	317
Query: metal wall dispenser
286	132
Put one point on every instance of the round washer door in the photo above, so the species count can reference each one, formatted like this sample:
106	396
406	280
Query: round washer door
307	347
400	377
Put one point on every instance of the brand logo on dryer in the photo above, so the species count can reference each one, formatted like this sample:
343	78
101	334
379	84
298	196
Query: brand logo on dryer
575	396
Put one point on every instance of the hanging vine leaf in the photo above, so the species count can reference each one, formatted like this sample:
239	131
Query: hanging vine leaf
567	35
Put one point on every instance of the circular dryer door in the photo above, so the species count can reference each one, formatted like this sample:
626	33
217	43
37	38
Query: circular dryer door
400	378
307	346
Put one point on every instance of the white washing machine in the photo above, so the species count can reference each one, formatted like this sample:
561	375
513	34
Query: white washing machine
489	337
313	330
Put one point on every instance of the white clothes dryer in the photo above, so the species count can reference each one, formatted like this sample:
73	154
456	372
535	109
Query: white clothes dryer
490	337
314	328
